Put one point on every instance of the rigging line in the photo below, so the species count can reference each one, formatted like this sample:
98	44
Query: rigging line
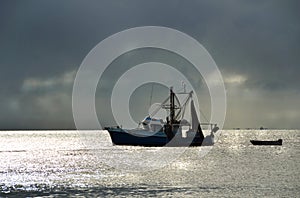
150	102
184	106
206	120
160	106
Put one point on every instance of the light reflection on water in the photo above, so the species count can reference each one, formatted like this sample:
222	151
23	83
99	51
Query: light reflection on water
54	163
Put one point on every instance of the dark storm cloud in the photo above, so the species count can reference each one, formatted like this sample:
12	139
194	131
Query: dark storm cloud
254	43
260	40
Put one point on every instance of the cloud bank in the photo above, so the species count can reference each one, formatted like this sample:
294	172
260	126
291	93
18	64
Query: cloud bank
254	43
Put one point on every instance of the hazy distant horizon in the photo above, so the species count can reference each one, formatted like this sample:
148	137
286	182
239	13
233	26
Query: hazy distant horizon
74	129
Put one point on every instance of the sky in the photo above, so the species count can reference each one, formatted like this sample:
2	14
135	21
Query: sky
255	45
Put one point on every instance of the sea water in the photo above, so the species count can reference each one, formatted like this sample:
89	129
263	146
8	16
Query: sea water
84	163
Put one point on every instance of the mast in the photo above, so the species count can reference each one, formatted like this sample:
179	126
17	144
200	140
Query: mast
172	106
168	127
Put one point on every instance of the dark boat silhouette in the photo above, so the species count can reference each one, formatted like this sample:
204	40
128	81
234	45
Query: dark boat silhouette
266	142
156	132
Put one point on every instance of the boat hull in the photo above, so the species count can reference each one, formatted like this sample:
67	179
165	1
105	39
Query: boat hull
140	138
261	142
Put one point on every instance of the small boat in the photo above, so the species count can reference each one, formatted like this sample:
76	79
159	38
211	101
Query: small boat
266	142
174	132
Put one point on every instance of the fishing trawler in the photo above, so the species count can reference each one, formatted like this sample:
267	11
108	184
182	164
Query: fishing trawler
171	132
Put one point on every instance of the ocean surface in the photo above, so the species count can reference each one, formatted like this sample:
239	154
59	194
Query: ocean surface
85	164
